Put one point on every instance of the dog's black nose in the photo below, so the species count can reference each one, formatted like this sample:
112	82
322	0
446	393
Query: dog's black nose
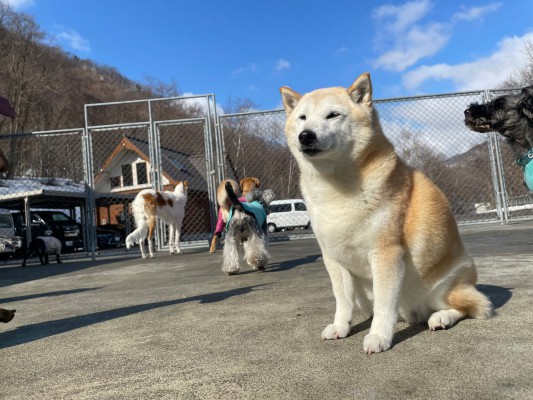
307	137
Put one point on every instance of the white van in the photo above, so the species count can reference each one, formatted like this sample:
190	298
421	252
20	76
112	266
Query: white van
287	214
9	243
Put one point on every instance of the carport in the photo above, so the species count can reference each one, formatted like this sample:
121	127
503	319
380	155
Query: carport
71	196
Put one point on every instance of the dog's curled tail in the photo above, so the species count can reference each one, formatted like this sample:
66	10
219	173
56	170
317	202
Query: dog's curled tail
233	197
467	298
141	223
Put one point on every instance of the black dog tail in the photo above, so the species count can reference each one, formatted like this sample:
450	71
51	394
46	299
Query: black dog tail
233	197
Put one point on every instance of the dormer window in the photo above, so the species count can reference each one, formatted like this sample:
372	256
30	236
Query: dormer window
127	175
142	173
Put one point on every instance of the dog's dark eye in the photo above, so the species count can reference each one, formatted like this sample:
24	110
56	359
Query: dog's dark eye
302	117
332	114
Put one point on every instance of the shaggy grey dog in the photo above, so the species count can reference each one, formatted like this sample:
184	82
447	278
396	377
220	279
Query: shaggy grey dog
511	116
247	227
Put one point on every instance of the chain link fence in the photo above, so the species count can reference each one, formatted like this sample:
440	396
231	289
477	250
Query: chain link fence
78	184
44	191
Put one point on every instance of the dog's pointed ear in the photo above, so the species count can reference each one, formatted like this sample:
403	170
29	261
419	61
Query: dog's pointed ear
361	90
290	98
525	106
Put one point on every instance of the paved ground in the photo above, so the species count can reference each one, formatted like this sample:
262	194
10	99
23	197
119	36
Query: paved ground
176	328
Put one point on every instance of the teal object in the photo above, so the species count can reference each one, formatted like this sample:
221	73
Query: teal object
528	175
255	208
527	165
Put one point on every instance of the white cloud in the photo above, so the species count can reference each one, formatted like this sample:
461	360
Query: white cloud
484	73
403	16
252	67
282	64
199	103
403	40
18	4
473	13
414	44
407	40
73	39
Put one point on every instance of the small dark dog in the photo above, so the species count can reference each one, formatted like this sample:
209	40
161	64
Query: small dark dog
247	226
6	315
44	246
510	115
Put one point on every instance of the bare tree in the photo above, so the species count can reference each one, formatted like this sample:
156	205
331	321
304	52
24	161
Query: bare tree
524	75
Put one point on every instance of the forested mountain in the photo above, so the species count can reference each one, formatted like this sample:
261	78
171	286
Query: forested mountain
48	87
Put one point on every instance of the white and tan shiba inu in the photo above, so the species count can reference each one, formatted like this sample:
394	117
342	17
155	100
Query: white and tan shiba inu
388	238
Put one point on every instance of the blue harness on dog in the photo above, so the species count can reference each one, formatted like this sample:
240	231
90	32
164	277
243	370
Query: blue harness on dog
527	166
254	208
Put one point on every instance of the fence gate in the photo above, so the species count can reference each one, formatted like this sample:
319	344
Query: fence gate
127	156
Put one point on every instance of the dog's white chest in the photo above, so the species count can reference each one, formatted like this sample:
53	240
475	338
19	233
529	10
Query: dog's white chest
345	231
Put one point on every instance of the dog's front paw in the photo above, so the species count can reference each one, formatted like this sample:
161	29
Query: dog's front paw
375	344
334	331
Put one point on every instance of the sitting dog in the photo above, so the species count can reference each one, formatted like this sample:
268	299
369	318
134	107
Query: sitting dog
510	115
388	237
6	315
44	246
168	207
245	186
246	225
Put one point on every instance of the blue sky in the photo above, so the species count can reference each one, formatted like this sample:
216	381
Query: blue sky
248	49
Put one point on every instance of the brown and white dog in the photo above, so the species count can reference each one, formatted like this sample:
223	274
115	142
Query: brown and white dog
168	207
246	185
388	237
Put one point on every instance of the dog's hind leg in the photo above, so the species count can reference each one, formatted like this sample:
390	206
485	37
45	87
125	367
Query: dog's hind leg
256	253
57	259
177	237
171	233
141	246
230	255
151	227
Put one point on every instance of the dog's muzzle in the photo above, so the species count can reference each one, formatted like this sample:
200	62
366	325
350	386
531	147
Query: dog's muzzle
308	142
479	124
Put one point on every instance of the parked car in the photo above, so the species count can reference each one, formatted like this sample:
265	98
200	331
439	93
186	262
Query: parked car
61	225
10	243
114	227
287	214
107	238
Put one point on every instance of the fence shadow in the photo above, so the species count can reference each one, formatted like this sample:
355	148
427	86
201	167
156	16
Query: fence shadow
12	275
41	330
47	294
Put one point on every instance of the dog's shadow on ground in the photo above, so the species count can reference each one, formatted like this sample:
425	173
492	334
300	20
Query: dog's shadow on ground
41	330
289	264
497	295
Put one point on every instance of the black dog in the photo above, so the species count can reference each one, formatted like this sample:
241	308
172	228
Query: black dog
6	315
44	246
512	116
